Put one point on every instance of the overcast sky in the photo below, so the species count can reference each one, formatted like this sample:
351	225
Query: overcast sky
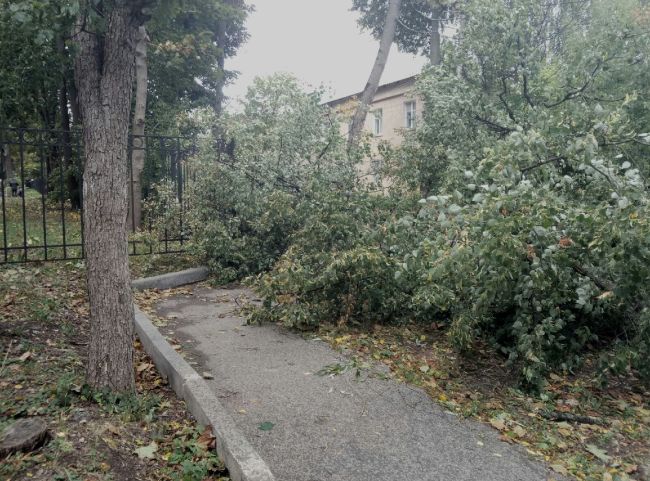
318	41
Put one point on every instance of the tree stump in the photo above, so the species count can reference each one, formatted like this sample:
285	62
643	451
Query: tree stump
24	435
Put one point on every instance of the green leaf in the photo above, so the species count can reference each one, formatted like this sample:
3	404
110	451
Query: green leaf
147	452
266	426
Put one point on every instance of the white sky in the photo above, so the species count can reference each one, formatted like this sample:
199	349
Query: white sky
318	41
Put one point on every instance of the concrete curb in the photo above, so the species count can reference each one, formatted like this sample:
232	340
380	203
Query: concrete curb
174	279
241	459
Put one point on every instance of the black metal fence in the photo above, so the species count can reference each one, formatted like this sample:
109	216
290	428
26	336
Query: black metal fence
41	195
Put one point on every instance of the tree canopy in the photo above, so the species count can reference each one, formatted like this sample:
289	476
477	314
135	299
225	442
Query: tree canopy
413	31
189	41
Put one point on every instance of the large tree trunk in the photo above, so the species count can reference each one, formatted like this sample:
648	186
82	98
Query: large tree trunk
435	54
387	36
104	68
139	142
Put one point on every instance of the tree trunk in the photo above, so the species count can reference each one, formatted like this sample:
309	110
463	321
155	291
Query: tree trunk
74	104
221	63
370	90
8	170
139	142
104	71
71	174
435	54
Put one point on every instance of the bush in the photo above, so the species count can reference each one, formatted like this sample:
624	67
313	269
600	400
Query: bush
239	231
245	199
542	278
340	266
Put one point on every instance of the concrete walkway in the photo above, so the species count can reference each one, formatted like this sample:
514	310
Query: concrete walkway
330	427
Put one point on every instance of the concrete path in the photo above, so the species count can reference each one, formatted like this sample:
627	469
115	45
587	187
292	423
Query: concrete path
330	427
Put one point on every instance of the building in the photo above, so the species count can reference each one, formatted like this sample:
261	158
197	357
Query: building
395	109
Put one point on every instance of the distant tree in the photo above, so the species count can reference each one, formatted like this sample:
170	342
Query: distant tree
138	152
190	42
419	25
28	58
388	34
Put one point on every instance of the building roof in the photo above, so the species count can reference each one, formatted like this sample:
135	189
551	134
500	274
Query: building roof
381	89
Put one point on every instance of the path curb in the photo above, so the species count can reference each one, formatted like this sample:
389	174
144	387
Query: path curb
174	279
241	459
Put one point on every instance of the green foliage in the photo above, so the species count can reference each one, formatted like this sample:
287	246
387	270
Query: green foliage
189	42
246	201
538	239
196	462
530	162
29	61
340	266
412	33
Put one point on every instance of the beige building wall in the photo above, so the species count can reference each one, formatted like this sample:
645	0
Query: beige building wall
390	102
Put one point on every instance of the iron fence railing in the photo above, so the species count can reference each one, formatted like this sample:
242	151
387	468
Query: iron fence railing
41	194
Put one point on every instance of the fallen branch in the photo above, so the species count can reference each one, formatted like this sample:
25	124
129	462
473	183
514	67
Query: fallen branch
550	160
572	418
602	284
501	129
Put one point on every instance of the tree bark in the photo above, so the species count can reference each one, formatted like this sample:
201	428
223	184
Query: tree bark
104	72
71	174
387	37
7	163
221	63
139	142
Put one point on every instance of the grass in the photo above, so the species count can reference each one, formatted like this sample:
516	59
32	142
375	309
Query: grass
94	435
32	233
43	225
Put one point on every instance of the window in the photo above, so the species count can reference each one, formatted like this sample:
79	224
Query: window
377	124
409	108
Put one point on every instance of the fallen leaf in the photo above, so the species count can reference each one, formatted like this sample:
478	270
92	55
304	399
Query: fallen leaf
26	356
112	429
632	468
266	426
519	431
498	424
144	366
147	452
207	440
558	468
599	453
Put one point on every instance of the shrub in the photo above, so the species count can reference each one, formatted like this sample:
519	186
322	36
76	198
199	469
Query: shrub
341	264
283	142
